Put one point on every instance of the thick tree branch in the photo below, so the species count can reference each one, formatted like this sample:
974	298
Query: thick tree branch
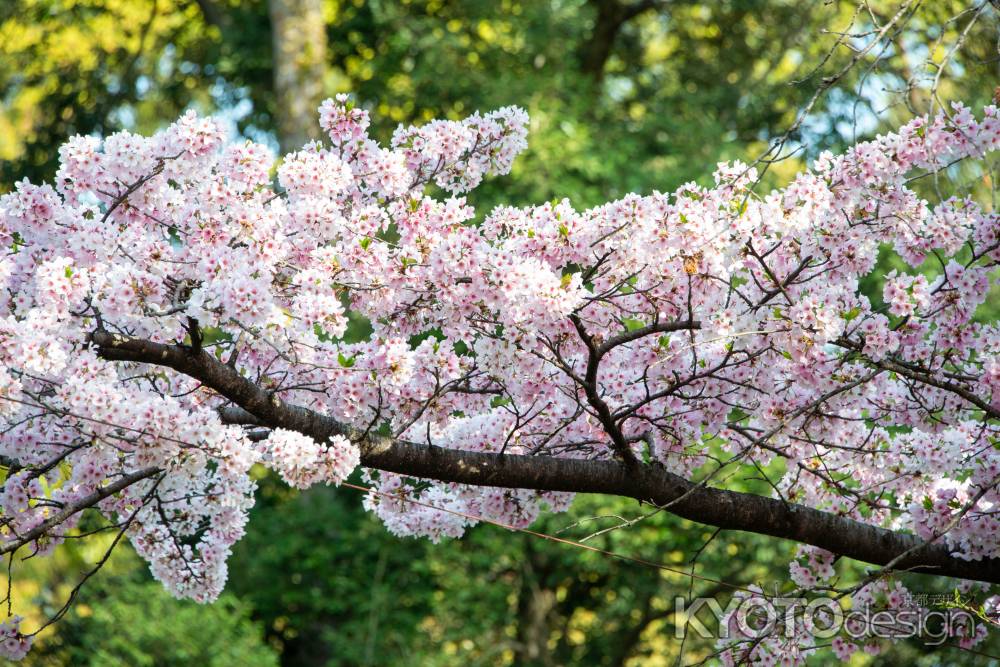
729	510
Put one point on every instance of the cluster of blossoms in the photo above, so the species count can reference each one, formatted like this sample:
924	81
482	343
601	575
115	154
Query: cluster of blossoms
660	328
13	644
303	462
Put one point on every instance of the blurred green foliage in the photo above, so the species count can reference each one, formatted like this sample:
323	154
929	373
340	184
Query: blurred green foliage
123	618
624	95
334	589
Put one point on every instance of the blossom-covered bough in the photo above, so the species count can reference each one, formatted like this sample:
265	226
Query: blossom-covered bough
169	318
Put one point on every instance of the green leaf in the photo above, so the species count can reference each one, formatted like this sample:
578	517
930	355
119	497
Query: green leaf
852	313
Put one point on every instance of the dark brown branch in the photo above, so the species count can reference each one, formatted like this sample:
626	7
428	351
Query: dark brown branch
642	332
724	509
922	377
80	505
590	388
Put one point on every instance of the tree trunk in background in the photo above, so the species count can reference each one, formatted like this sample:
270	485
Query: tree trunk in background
298	40
535	604
611	15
